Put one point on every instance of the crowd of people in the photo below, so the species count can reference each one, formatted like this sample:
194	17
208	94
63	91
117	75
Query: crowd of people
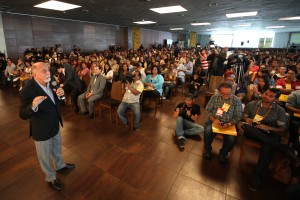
258	88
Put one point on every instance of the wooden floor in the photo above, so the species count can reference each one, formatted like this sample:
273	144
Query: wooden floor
115	163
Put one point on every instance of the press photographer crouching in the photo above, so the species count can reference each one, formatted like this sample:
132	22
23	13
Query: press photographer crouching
186	115
265	122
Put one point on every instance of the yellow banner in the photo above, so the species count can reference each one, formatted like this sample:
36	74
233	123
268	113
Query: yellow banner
193	36
136	37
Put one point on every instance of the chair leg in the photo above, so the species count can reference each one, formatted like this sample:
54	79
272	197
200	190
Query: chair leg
241	153
110	117
131	121
117	120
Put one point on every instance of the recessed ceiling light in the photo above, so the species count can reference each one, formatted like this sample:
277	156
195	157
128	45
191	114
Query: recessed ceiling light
200	24
213	29
242	14
145	22
169	9
242	25
176	29
56	5
290	18
275	26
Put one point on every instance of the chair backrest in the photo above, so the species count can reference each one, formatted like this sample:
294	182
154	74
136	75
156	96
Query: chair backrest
116	91
214	82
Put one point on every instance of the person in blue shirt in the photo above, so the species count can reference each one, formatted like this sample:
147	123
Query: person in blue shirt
153	83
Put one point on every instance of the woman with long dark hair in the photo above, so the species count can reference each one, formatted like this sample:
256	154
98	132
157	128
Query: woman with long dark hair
255	91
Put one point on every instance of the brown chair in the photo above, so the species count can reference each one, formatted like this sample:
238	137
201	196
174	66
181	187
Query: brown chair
157	101
114	101
214	82
106	94
130	114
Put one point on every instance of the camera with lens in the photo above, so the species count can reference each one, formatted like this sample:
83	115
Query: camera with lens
126	79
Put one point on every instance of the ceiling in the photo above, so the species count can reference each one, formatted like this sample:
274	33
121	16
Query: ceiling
125	12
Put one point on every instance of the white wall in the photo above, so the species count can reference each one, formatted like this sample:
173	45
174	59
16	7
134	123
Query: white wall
250	39
281	40
2	39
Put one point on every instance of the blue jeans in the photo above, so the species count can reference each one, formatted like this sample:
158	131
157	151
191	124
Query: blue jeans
186	127
166	88
135	107
228	141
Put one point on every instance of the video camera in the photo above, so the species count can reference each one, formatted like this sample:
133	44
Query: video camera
126	79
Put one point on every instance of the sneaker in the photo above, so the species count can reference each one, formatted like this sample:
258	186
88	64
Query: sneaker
181	142
163	97
207	156
137	129
222	161
255	184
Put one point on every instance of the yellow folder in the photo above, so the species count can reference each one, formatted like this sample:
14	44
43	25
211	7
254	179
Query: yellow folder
227	131
283	98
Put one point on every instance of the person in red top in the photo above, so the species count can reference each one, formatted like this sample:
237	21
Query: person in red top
289	83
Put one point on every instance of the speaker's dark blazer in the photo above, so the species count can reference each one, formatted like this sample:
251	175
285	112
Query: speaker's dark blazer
44	124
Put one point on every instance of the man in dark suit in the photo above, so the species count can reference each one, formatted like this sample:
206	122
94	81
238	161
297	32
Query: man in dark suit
72	84
39	104
94	91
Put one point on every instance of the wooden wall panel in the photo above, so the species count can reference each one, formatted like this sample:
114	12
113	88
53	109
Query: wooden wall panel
23	32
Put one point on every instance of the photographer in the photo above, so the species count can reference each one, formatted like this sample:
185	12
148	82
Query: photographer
186	115
131	100
265	123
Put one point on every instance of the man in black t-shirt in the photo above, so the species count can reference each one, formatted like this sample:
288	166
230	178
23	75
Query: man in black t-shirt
186	114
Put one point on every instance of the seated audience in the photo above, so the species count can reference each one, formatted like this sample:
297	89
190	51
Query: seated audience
131	100
255	91
265	123
289	83
223	110
94	92
153	83
108	74
170	80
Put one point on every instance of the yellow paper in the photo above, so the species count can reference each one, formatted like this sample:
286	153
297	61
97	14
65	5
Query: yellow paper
288	86
227	131
225	107
258	118
296	115
283	98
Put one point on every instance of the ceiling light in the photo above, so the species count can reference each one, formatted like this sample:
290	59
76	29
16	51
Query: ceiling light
57	5
290	18
176	29
242	25
145	22
275	26
200	24
169	9
213	29
242	14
